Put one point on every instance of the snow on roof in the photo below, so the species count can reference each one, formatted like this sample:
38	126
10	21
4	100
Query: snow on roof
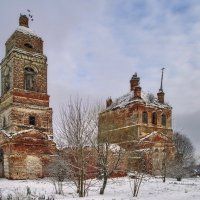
147	136
151	100
129	98
5	133
26	31
151	134
10	135
23	131
121	101
38	55
114	148
143	150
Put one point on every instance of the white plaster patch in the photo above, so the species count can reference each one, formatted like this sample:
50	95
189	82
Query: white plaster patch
33	167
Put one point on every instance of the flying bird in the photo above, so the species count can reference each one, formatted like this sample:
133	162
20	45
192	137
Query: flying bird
29	15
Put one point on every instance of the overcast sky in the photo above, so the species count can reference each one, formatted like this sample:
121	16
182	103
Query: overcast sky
95	46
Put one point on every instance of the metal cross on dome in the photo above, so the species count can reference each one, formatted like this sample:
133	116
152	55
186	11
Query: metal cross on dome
161	84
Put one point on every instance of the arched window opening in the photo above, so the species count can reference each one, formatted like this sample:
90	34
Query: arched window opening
1	155
29	79
6	80
154	118
32	120
28	45
145	117
163	119
1	163
4	122
156	151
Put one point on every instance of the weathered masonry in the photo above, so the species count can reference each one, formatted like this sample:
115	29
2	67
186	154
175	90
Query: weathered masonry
26	132
141	124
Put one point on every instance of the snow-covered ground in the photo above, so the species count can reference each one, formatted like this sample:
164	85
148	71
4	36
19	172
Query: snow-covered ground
117	189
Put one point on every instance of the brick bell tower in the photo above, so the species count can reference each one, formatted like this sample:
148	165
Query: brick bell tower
26	145
24	102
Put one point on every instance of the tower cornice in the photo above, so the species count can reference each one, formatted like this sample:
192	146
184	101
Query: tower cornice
19	53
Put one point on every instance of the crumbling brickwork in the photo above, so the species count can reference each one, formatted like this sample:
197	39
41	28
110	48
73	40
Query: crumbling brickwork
26	133
131	120
19	40
33	101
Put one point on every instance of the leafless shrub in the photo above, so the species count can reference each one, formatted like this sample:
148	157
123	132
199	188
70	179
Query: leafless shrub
136	174
58	172
177	168
135	183
77	129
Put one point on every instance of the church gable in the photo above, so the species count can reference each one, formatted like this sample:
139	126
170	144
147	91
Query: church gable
155	137
29	135
27	154
32	142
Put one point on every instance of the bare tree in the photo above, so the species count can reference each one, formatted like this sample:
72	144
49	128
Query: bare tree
183	156
139	165
165	160
58	172
110	151
135	183
109	160
166	157
184	148
78	131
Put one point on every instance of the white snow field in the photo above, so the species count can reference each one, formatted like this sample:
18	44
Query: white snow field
117	189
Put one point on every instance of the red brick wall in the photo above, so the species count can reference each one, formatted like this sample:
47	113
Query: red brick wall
18	39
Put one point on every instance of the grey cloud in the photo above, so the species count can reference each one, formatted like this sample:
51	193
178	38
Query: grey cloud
189	125
94	50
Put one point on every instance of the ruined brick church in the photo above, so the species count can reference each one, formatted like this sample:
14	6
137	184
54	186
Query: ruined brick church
138	122
26	133
141	124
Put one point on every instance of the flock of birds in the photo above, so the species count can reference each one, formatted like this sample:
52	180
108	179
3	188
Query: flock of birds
30	15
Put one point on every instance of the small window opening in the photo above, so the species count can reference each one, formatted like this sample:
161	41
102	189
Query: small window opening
154	118
32	120
4	122
1	156
163	119
145	117
156	151
29	79
6	80
28	45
